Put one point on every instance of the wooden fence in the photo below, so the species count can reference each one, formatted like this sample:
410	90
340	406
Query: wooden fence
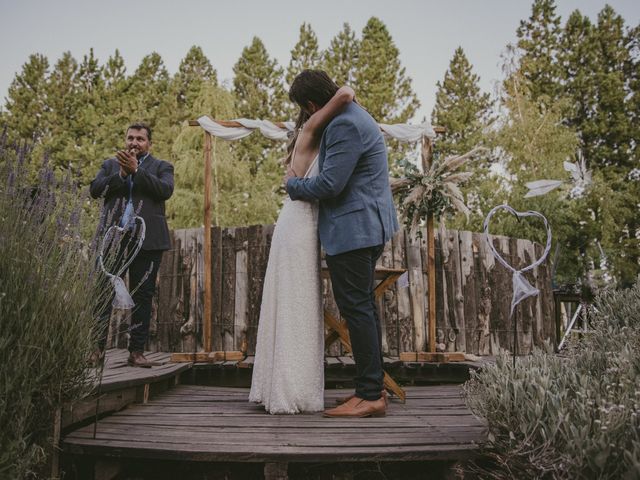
473	294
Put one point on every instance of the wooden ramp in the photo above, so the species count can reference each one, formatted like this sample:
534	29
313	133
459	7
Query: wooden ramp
215	424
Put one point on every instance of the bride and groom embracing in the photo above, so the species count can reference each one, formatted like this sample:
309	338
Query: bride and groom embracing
338	184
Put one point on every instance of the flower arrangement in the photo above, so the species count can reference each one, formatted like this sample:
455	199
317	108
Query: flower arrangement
433	192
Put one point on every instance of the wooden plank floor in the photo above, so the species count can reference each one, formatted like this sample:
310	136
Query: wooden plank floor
200	423
117	374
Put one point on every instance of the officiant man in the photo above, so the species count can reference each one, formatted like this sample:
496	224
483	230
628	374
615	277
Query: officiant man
136	183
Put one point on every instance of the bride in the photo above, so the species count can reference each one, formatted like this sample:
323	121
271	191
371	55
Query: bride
288	373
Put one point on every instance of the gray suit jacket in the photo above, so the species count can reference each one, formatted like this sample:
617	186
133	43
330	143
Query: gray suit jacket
152	185
356	206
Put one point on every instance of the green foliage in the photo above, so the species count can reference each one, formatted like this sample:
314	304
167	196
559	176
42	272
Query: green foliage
305	55
238	196
575	416
27	99
47	299
380	81
339	60
596	94
461	108
538	40
259	94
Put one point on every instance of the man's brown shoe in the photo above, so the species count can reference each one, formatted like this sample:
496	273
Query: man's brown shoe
137	359
358	408
341	400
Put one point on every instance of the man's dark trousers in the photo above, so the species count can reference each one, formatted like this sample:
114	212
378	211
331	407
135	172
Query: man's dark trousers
352	278
146	263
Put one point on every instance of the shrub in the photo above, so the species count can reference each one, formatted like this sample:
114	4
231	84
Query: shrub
572	416
46	301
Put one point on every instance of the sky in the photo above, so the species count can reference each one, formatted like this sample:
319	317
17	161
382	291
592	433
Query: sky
426	32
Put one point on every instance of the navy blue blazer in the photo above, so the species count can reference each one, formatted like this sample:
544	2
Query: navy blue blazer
356	205
152	186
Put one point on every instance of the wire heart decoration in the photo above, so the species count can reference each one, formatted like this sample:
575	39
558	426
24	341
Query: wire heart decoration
135	229
521	287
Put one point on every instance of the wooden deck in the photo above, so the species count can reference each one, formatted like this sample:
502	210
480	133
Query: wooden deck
117	374
122	385
216	424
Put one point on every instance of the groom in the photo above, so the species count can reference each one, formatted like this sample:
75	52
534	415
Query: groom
357	217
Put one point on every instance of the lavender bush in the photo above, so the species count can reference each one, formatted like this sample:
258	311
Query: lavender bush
47	296
575	416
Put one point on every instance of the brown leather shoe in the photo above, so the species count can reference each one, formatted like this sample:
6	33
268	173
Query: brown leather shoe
341	400
359	408
137	359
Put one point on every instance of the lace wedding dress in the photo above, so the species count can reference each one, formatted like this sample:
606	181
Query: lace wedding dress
288	372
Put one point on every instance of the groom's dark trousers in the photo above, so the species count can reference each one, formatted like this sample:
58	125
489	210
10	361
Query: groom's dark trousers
352	278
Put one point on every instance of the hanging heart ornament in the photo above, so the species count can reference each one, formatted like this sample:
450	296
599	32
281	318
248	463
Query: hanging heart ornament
521	287
118	249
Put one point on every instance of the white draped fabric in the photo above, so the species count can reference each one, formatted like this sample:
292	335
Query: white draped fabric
267	128
399	131
408	133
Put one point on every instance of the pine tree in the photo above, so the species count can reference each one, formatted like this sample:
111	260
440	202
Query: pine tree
259	94
538	41
195	69
381	84
90	112
26	101
460	107
463	110
579	63
339	60
148	87
304	55
115	106
62	104
611	123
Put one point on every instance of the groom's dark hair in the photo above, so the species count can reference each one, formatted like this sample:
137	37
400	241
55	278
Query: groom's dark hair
312	85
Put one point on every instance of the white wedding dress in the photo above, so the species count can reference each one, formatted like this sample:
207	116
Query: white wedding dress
288	372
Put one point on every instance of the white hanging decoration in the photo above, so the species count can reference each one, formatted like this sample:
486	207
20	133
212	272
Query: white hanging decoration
580	177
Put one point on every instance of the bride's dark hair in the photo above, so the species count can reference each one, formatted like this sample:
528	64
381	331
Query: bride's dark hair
302	117
312	85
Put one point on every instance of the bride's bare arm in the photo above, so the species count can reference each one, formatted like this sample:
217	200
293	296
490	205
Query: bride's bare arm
316	123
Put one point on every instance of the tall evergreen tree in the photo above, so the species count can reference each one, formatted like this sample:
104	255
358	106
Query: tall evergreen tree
195	69
463	110
259	94
579	62
339	60
612	123
460	107
26	101
148	87
305	54
62	102
538	42
116	104
381	83
89	118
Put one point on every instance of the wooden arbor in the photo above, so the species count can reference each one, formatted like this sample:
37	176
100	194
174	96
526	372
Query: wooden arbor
208	355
